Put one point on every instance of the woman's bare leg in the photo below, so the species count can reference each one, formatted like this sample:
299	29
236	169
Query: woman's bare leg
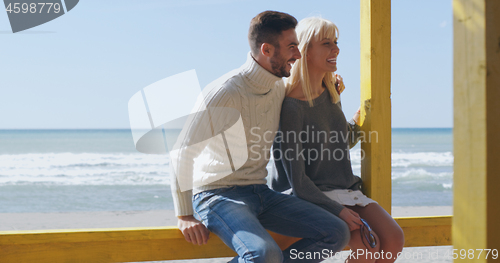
390	235
360	248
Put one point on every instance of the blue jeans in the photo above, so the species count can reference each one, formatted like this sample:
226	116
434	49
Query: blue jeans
240	215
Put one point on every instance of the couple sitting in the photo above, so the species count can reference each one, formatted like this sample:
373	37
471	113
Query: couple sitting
327	209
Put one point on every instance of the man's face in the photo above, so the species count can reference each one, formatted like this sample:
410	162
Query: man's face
286	54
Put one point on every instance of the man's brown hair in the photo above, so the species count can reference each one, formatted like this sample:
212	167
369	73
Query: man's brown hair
266	27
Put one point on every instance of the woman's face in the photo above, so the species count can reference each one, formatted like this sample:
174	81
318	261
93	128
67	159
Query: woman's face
322	55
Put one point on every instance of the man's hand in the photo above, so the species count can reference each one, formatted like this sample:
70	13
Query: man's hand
193	230
356	116
339	83
351	218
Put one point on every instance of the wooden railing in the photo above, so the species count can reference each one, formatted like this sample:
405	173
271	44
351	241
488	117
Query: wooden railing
163	243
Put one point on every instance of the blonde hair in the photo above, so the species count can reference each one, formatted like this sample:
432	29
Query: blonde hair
307	29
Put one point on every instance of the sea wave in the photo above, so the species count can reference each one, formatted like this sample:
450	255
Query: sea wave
84	169
137	168
422	179
411	159
420	174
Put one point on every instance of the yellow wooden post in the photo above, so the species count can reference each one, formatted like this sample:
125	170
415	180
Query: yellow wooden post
376	91
476	128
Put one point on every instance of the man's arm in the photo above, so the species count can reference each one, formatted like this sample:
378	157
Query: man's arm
193	230
194	138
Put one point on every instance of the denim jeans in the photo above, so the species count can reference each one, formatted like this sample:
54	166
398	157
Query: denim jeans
240	215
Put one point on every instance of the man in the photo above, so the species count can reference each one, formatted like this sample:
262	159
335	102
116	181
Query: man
239	207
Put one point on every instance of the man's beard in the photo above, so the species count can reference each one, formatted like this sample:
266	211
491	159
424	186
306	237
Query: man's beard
278	65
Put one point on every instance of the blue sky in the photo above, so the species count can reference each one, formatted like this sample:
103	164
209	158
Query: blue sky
80	70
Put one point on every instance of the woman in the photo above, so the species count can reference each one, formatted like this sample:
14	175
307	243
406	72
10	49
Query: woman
312	150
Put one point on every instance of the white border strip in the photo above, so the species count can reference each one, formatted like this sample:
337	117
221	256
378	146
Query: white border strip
64	6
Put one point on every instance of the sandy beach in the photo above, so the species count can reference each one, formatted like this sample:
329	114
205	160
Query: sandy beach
110	219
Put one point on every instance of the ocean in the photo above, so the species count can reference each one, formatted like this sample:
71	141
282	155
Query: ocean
100	170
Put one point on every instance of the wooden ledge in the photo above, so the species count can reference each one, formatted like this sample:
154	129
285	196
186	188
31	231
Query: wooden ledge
164	243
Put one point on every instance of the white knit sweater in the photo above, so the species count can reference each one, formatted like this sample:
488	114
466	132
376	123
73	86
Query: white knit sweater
257	94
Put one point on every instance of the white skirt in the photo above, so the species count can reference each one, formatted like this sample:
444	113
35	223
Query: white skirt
349	197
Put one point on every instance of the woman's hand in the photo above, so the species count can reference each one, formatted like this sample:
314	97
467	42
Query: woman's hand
339	84
351	218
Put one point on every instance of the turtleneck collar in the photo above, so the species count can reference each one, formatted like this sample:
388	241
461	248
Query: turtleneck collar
261	80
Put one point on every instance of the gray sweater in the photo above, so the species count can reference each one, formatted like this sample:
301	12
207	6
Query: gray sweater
311	151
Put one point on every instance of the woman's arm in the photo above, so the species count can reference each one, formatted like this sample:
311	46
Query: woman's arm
352	125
